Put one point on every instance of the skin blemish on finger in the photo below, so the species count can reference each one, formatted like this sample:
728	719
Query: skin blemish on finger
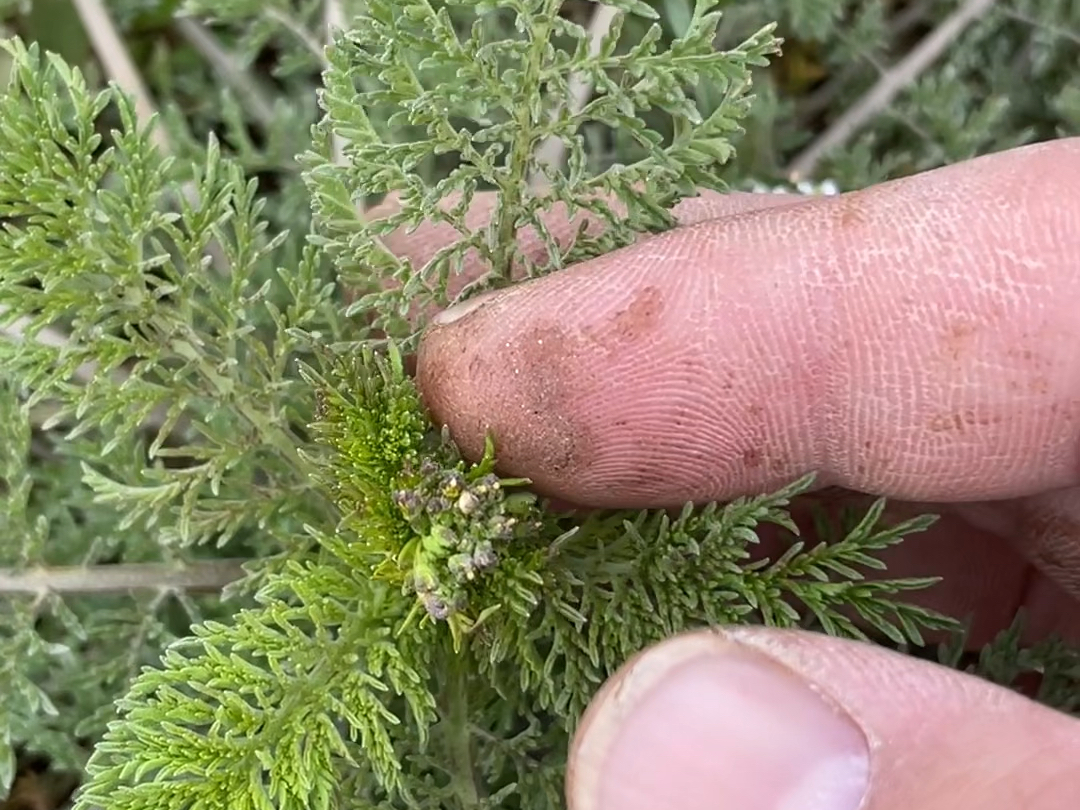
957	338
464	384
850	211
1034	372
752	457
960	421
1040	385
635	321
642	316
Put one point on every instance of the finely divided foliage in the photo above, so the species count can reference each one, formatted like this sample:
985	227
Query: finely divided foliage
507	96
417	631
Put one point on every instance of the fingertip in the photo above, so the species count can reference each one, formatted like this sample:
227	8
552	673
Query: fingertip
495	369
701	721
756	717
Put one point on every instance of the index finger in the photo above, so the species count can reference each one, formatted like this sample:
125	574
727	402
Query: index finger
919	339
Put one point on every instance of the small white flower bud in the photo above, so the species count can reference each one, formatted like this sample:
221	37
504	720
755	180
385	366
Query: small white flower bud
467	503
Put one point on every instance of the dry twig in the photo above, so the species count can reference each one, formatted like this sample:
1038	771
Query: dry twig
553	150
335	20
201	576
891	83
294	27
118	63
226	66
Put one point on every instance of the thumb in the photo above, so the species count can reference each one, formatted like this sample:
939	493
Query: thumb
760	719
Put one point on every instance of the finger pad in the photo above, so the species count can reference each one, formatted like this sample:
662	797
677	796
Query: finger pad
919	340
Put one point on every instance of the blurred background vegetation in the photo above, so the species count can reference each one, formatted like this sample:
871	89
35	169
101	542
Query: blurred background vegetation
1001	73
865	90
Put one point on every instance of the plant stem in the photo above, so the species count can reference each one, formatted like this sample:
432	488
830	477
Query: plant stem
458	734
553	150
202	575
891	83
517	165
334	15
110	49
226	66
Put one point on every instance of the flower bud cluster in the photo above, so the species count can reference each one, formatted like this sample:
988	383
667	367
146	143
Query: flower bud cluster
463	522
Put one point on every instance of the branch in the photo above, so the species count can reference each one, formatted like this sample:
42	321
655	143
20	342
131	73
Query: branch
118	63
553	150
818	100
120	67
1055	30
201	576
229	69
16	330
335	20
891	83
313	45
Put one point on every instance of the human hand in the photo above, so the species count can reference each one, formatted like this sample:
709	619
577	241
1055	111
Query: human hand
918	340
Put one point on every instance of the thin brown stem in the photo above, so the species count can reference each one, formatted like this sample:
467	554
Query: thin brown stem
891	84
109	47
201	576
229	69
118	64
552	151
335	21
290	24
